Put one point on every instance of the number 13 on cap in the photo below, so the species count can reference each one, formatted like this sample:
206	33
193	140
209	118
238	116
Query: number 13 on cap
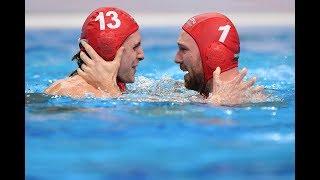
114	18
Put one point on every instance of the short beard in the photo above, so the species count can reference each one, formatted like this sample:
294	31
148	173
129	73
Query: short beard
196	83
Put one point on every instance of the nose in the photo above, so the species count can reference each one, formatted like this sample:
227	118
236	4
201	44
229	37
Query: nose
178	58
140	54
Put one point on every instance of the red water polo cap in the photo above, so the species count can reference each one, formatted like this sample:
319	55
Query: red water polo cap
106	29
217	40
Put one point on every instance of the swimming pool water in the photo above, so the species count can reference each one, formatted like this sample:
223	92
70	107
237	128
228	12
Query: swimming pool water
155	131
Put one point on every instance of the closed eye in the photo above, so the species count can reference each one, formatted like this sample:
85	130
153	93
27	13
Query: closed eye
137	45
182	47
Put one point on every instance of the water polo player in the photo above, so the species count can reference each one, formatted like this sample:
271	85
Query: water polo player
108	34
210	43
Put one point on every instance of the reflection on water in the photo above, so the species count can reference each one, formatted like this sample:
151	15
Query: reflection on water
56	109
33	98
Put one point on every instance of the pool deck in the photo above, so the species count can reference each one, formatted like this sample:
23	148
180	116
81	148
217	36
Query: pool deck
75	20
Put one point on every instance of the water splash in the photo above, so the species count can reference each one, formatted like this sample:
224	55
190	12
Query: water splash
165	89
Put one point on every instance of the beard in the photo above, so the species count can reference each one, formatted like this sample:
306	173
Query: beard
195	82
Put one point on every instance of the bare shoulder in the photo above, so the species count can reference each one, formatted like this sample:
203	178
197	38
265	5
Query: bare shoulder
54	87
73	87
61	87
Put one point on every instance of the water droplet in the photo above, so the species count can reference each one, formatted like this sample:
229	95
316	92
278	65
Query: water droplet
248	108
229	112
36	76
275	137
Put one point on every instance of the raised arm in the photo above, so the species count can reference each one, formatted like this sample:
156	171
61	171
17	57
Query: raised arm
99	73
236	91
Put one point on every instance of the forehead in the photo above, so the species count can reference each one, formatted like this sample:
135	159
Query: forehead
185	38
134	38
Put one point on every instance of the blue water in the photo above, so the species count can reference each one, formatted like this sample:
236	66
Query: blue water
155	131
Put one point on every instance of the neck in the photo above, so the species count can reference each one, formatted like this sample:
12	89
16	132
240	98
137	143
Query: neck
77	78
224	77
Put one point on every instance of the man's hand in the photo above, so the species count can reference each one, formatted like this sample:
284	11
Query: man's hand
100	73
236	91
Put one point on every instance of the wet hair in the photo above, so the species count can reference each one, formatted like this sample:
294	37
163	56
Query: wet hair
76	58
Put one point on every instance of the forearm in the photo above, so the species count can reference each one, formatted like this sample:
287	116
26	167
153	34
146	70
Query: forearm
214	100
220	100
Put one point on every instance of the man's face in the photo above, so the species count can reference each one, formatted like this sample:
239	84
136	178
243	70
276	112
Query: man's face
132	54
188	56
